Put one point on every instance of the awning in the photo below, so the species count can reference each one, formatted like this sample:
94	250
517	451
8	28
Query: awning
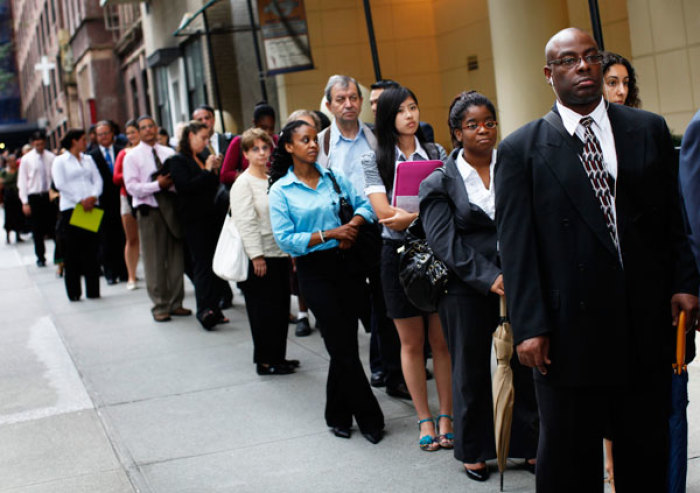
187	18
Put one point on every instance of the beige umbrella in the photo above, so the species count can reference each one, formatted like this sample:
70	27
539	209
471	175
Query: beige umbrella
503	392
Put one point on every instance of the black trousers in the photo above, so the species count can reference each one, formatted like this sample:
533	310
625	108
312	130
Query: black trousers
267	305
572	423
43	221
201	241
330	289
112	240
469	321
80	248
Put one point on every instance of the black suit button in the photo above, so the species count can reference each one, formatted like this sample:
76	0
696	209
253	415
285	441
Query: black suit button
565	222
582	306
580	267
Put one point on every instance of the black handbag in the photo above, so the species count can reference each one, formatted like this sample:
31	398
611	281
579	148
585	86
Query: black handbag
366	251
422	275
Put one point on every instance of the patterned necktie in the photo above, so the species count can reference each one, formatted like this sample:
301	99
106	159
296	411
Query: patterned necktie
592	159
108	158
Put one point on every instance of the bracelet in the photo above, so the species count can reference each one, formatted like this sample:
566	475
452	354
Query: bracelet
323	238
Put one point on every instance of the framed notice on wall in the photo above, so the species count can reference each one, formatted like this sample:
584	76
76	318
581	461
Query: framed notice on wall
285	36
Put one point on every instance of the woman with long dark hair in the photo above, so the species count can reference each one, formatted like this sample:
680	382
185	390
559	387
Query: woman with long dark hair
196	183
457	207
620	81
399	138
129	222
77	179
304	207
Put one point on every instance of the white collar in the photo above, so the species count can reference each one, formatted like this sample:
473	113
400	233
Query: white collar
571	119
419	150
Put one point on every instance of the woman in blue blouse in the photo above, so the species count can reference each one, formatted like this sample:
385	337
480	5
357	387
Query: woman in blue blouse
305	223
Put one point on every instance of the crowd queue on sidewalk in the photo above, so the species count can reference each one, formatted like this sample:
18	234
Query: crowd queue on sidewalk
577	220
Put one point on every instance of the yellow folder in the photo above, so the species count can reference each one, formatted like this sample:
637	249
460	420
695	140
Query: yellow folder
86	220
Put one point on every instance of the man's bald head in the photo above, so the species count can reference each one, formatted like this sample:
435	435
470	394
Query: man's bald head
563	35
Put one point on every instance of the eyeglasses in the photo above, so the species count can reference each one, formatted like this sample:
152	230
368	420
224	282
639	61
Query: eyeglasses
472	126
570	61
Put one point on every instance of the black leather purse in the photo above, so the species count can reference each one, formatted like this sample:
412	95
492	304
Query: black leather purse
366	251
422	275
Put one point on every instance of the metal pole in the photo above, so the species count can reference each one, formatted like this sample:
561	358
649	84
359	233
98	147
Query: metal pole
372	40
258	58
212	66
595	23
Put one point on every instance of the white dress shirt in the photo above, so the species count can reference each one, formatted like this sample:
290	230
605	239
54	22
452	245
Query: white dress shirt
75	179
139	166
479	195
34	174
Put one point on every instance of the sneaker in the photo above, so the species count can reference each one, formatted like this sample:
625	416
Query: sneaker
303	328
131	285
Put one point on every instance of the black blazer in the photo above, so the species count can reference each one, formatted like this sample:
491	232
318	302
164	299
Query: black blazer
224	141
459	232
109	200
561	271
196	189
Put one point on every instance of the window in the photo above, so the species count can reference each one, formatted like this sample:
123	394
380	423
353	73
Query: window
162	101
196	82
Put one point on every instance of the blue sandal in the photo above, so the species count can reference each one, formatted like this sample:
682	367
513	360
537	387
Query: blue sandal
445	440
427	442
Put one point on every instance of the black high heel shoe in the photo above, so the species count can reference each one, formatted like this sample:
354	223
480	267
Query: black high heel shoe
478	474
341	432
278	369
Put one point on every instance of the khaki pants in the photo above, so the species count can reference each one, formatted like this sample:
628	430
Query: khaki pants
163	262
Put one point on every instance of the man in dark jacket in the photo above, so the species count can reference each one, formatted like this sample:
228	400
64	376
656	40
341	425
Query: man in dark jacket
596	267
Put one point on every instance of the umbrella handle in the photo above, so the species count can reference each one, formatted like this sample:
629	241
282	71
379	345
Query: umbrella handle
680	343
504	309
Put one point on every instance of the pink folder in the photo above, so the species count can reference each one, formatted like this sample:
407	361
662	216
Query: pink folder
407	180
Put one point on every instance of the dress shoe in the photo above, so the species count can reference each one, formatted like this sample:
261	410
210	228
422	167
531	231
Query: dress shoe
112	281
278	369
208	319
41	263
478	474
374	437
428	374
181	312
400	391
530	467
303	328
161	317
378	379
294	363
341	431
74	298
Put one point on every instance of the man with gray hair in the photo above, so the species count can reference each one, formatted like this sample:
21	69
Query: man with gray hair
341	147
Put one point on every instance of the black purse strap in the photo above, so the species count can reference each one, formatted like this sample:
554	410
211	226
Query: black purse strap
336	187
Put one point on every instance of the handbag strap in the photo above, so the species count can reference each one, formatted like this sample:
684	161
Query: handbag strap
336	187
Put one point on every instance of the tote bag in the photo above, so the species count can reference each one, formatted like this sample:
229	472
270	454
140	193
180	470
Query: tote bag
230	260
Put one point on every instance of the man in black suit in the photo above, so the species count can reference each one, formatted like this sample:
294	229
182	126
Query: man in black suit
596	267
112	237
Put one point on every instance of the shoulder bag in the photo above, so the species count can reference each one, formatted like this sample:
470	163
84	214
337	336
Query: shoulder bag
230	260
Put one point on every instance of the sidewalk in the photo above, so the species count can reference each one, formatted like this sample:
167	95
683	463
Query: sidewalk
96	397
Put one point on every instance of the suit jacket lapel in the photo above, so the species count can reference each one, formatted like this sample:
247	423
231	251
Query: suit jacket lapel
561	155
457	191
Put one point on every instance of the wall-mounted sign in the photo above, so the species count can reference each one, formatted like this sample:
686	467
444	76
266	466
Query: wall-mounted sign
285	36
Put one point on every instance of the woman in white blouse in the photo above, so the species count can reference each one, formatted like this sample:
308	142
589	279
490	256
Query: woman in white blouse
267	289
457	209
76	177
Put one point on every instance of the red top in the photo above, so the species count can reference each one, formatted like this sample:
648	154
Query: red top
118	175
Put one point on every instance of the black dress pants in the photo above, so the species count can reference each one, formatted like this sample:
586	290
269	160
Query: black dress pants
267	305
469	321
112	240
572	424
80	249
330	289
43	221
201	239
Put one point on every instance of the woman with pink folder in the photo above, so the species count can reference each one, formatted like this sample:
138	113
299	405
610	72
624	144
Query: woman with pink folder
399	139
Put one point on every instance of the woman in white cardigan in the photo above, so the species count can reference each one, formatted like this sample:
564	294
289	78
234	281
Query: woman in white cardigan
266	290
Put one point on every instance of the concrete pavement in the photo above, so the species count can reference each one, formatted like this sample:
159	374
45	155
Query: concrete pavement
97	397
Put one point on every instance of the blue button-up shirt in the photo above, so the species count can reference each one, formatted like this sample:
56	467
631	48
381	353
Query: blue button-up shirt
297	210
345	154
